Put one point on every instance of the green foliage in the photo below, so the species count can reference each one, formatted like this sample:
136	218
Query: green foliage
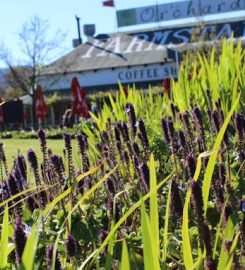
4	240
109	193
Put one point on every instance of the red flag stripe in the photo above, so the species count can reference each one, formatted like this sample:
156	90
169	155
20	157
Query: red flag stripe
109	3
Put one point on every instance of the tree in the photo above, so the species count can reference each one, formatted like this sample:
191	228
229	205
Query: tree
38	48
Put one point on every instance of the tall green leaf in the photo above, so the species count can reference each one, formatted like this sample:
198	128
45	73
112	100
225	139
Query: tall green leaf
125	262
146	238
4	239
228	236
51	205
123	218
154	218
166	221
31	247
187	253
212	160
232	251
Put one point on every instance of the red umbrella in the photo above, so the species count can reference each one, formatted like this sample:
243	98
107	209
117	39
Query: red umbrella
79	100
41	106
166	86
125	90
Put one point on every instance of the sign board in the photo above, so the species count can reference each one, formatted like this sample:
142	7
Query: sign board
184	35
144	73
150	41
177	10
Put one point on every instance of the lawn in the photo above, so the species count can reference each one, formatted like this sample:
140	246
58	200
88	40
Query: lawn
13	146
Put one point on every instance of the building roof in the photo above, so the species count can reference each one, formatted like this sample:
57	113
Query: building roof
109	51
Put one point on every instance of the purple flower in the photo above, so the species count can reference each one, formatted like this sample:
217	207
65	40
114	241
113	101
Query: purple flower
239	127
102	236
58	167
125	132
144	176
104	137
19	239
42	138
82	143
32	158
49	258
170	125
182	139
12	183
165	131
67	139
191	165
111	186
176	202
71	246
22	166
132	117
210	265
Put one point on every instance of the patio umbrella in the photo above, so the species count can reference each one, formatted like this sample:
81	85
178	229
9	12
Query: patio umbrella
80	105
41	106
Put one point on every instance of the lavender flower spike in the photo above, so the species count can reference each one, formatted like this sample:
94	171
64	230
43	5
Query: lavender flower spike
19	240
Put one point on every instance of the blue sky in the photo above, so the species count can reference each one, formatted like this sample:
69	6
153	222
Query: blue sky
61	14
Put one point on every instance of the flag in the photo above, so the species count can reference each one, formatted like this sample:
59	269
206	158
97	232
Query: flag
109	3
41	106
79	100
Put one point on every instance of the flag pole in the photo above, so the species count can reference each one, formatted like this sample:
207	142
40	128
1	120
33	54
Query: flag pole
115	24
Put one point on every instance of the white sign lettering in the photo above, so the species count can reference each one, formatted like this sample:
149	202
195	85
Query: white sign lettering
162	38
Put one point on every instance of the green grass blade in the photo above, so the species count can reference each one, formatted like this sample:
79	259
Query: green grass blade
4	239
218	229
146	238
30	248
125	262
228	236
212	160
187	253
81	200
154	218
51	205
199	164
166	220
232	251
124	217
13	198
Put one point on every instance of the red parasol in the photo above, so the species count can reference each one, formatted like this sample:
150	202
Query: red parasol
166	86
125	90
79	100
41	106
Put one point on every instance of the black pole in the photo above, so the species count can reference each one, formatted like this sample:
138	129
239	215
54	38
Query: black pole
78	29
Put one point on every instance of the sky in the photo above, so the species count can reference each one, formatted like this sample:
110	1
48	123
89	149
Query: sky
61	15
